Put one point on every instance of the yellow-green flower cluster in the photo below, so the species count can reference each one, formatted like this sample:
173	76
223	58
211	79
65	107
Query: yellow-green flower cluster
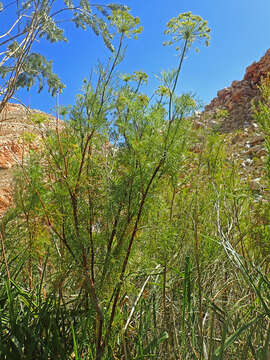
125	23
187	27
138	76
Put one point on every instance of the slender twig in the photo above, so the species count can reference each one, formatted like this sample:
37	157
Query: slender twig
12	27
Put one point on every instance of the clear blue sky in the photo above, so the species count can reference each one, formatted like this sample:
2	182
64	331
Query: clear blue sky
240	34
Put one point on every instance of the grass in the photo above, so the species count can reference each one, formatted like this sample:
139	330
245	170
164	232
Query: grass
197	285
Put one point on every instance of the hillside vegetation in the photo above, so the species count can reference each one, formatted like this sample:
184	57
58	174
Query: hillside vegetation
136	234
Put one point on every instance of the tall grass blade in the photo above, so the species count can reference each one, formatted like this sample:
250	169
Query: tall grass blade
186	304
75	348
218	355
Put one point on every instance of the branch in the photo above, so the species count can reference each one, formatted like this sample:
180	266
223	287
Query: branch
7	33
13	37
176	79
131	241
10	54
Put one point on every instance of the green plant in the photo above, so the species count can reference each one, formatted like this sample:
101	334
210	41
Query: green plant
220	114
261	111
19	65
132	235
186	28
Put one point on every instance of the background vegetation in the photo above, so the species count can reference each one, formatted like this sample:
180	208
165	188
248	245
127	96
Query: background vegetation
125	241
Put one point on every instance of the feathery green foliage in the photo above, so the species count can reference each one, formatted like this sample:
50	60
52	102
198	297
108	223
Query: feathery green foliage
132	235
20	66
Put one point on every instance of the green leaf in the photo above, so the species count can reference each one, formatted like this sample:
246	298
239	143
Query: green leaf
75	347
234	337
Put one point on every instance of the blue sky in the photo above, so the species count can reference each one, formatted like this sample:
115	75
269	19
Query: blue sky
240	34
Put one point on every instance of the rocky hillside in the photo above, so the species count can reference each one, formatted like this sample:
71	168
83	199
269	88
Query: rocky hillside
242	135
236	99
15	123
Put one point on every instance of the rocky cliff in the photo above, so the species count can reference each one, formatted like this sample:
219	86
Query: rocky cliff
243	136
236	99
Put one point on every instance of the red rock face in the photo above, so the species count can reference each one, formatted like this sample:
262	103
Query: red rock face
238	97
257	70
15	122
